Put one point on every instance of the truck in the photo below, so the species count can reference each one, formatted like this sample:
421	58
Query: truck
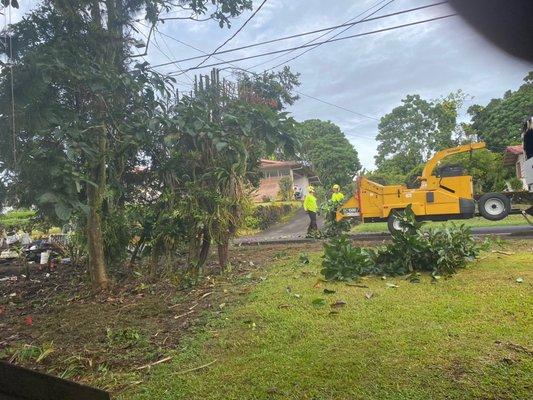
444	193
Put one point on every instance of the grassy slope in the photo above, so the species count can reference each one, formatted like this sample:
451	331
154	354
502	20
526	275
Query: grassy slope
456	339
476	222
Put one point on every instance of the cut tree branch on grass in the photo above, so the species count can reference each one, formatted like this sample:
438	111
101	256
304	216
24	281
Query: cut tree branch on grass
505	253
183	315
196	368
154	363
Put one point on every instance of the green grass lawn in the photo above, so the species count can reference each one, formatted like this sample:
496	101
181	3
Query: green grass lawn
476	222
467	337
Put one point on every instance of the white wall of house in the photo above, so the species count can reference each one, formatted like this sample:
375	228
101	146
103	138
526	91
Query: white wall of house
527	168
520	170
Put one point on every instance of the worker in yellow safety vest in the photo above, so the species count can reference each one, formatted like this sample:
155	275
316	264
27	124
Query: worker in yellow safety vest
337	195
311	208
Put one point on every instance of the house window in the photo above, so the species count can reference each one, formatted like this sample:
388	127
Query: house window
275	173
271	173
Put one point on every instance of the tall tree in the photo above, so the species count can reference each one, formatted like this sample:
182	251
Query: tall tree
209	162
83	108
411	132
325	146
499	123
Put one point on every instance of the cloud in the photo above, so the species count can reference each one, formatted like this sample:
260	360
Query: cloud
369	74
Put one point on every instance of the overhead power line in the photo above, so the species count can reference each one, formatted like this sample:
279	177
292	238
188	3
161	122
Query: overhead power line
337	106
156	45
235	34
256	74
333	37
326	41
328	29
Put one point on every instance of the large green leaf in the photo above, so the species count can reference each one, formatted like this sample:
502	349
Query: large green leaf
62	211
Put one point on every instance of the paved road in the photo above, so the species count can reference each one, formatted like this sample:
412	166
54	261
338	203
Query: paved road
294	229
297	228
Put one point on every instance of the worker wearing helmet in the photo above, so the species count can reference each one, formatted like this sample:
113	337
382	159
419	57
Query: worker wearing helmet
337	196
311	208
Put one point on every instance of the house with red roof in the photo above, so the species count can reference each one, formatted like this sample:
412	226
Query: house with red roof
301	174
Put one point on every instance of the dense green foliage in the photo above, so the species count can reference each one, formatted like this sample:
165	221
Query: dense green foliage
263	216
486	168
204	163
439	250
327	149
332	227
87	114
17	219
286	188
499	123
411	132
271	88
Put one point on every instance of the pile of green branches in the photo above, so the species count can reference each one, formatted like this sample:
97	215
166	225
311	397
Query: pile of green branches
438	250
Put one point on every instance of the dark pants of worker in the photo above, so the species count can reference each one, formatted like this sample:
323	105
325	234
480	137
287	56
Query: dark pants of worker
312	222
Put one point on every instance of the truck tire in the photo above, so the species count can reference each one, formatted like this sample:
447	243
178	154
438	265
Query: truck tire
494	206
393	222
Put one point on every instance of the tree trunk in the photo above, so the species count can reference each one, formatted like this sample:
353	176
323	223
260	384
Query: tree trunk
97	267
155	255
223	253
95	240
223	247
204	252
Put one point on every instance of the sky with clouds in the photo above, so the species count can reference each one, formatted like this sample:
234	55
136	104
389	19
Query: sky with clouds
368	75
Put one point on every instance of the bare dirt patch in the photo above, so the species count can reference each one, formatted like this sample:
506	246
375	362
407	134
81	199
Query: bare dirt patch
50	320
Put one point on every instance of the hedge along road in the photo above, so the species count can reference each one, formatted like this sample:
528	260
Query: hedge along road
296	229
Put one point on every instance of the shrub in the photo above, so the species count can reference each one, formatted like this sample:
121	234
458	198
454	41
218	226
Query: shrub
266	215
441	251
252	222
342	261
515	183
332	227
286	190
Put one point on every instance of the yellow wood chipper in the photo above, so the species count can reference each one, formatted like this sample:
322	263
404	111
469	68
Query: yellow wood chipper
444	194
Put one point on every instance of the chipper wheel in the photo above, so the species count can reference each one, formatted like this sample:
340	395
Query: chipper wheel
494	206
393	222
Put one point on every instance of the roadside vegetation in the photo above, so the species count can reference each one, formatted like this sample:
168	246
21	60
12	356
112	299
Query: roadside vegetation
466	333
413	249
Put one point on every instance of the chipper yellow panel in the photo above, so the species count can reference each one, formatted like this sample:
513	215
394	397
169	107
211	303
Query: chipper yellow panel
437	196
